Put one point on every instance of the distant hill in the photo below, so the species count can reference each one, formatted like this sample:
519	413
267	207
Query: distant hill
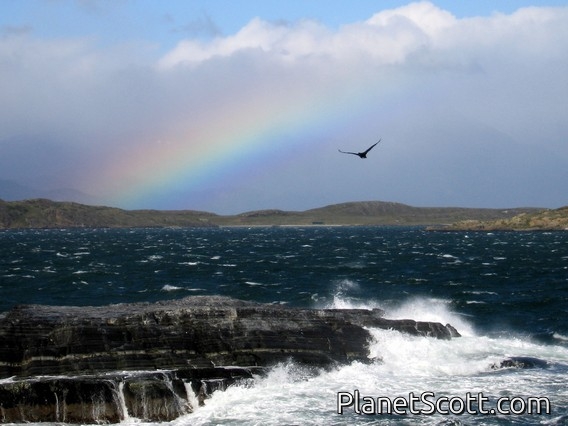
13	191
369	213
546	220
42	213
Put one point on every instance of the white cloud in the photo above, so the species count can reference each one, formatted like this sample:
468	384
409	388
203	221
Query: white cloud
390	36
387	36
278	39
424	16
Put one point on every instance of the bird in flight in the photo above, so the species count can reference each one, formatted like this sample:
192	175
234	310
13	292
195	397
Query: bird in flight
360	154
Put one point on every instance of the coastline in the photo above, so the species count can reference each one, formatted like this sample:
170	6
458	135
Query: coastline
45	214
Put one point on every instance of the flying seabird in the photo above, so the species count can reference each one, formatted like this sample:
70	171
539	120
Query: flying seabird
360	154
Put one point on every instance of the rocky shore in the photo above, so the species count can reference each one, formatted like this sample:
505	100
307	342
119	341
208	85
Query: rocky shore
158	361
545	220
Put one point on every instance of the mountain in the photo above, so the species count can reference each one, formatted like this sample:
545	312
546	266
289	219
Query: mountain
13	191
43	213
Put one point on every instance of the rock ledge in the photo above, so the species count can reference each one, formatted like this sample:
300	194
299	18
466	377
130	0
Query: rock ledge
180	345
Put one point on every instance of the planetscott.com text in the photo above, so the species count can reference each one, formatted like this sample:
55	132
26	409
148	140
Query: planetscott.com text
428	403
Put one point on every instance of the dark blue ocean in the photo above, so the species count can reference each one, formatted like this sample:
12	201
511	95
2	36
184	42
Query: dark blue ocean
505	292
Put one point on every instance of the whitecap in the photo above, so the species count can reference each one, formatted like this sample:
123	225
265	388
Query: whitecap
560	337
430	309
169	287
404	363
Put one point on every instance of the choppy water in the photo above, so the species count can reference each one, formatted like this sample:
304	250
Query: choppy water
506	292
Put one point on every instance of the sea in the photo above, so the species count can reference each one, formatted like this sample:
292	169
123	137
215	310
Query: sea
505	292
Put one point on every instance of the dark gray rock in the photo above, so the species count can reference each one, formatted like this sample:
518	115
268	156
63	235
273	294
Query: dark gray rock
78	351
521	362
110	398
201	331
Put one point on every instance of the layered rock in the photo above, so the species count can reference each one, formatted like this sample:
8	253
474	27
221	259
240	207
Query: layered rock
111	398
189	341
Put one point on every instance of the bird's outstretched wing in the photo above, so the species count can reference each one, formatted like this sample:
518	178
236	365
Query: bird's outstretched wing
346	152
371	147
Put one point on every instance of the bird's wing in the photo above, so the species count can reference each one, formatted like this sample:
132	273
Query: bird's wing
347	152
371	147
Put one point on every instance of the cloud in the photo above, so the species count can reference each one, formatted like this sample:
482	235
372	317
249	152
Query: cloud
503	70
15	30
202	26
391	36
429	83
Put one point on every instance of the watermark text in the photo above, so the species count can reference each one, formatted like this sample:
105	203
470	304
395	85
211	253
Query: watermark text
428	403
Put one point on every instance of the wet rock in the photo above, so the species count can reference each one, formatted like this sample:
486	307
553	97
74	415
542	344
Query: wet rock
520	362
201	331
111	398
60	363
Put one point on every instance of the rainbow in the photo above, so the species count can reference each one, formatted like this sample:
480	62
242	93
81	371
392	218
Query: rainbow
224	145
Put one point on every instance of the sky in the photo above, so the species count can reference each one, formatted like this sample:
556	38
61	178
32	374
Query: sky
230	107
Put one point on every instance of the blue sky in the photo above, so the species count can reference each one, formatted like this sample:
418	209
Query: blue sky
166	22
235	106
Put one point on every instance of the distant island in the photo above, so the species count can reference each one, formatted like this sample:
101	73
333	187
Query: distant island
545	220
43	213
